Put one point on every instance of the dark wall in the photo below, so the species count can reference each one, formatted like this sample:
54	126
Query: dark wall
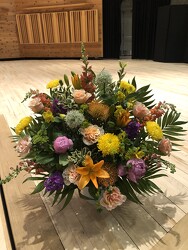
111	28
144	27
171	44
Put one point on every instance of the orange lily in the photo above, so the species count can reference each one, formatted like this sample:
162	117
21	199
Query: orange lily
91	172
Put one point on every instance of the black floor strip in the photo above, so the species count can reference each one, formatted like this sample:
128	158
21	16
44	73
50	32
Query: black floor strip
7	218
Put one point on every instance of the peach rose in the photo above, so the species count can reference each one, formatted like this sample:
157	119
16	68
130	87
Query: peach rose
91	134
113	198
81	96
70	175
36	105
140	110
165	146
24	145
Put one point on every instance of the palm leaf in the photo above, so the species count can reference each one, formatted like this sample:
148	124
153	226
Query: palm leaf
171	127
144	186
142	95
68	198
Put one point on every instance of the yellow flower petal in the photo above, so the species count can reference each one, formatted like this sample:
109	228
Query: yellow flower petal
90	172
94	179
82	170
98	165
88	161
84	180
103	174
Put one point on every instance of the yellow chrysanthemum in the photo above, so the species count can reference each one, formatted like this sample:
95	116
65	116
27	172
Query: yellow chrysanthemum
154	130
48	116
127	86
52	84
109	144
23	123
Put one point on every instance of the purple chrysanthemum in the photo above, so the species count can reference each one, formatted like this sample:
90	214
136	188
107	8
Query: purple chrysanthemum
54	182
136	169
132	129
57	107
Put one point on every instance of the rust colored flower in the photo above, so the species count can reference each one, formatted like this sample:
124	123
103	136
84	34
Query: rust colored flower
99	111
112	171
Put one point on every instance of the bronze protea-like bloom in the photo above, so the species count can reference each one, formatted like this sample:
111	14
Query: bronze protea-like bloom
99	111
112	171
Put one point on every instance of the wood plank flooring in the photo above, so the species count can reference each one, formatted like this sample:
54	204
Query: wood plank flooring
161	222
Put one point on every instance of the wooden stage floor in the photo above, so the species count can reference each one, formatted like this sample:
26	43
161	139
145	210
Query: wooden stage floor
159	224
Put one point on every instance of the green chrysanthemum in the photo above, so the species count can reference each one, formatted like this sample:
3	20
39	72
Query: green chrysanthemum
109	144
74	119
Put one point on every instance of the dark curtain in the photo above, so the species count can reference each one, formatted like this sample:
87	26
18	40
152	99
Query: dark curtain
111	28
144	22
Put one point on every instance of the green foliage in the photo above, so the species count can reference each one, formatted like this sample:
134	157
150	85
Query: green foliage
144	186
142	95
172	127
13	174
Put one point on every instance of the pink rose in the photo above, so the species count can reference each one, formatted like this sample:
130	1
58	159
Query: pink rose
140	110
81	96
91	134
24	145
113	198
165	146
62	144
36	105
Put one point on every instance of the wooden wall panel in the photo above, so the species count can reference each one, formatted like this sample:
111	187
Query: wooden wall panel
9	40
9	45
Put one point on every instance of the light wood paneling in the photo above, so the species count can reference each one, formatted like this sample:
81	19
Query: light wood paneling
50	43
29	28
9	45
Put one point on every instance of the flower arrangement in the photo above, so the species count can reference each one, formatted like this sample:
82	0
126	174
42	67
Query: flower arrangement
91	132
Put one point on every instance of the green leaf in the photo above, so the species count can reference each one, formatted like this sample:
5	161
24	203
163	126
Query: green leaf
63	194
63	159
164	120
44	159
127	190
39	188
179	123
84	196
66	79
34	179
156	176
134	82
92	191
68	199
171	127
56	196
